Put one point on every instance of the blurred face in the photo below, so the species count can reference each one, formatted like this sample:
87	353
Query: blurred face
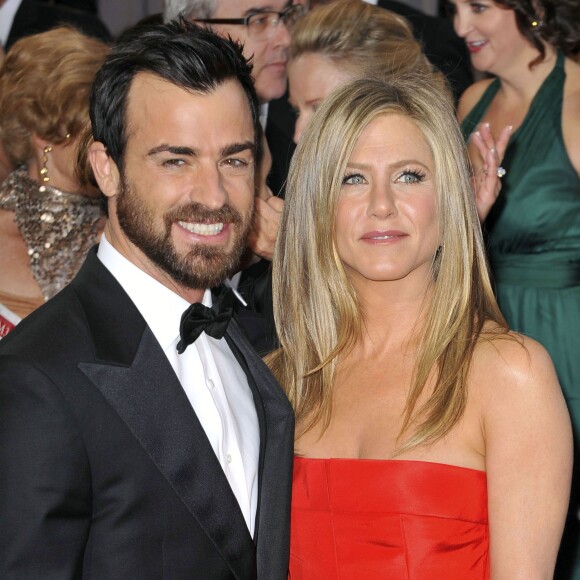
186	198
269	57
386	221
490	32
312	77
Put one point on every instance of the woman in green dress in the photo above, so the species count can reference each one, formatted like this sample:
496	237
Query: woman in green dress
533	228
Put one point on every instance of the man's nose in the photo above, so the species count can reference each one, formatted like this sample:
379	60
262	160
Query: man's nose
208	188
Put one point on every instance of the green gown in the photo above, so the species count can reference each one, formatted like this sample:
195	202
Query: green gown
533	238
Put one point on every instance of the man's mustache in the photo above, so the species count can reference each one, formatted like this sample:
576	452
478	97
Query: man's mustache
198	213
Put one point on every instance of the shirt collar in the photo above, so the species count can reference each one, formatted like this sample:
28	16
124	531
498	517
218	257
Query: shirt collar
160	307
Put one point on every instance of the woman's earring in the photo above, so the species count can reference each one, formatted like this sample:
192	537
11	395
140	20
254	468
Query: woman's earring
44	171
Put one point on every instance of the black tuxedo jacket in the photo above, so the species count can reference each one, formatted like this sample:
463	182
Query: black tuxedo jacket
280	135
105	470
33	17
440	43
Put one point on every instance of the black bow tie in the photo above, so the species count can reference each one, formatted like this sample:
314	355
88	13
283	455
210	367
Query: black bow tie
199	318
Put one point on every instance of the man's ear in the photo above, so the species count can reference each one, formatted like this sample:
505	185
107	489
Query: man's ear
105	169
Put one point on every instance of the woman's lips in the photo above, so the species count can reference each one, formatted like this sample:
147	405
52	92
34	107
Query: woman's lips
383	237
476	46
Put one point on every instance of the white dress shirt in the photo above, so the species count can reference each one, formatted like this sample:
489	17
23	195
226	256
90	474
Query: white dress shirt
209	373
8	11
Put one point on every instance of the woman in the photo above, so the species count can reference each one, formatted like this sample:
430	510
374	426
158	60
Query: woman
431	442
332	45
534	228
47	222
342	41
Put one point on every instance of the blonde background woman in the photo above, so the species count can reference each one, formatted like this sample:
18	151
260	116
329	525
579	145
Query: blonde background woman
432	442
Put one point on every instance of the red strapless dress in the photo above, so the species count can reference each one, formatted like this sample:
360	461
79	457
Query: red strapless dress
406	520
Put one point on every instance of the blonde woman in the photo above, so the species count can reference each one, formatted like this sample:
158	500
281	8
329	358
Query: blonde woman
431	443
348	39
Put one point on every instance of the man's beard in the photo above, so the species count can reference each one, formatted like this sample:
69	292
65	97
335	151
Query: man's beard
204	266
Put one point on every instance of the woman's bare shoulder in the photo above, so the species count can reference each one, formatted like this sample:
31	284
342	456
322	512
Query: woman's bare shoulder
510	365
471	96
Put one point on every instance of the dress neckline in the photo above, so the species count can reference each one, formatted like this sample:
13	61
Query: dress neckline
352	460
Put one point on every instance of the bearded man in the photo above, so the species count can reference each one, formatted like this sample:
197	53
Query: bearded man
140	435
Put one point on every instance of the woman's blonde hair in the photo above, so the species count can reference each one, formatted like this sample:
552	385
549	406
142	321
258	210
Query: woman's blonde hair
45	84
317	313
363	39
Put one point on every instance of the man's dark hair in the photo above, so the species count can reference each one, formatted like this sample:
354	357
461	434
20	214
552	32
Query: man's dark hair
180	52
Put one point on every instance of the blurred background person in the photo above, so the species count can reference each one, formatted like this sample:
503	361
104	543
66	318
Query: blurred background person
439	41
345	40
47	222
533	230
431	442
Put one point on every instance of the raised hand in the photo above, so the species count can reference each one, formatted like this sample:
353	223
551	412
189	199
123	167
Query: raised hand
488	170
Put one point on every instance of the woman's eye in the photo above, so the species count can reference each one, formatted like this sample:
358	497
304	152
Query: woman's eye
477	8
411	177
354	179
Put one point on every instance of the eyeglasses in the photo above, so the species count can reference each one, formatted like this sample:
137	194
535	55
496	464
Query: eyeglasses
262	24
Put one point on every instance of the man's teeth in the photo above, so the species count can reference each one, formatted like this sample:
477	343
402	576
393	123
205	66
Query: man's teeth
202	229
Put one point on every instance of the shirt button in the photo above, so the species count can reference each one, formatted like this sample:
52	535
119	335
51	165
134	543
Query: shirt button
229	458
210	383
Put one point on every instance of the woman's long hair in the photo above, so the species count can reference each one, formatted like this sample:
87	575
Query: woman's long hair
317	312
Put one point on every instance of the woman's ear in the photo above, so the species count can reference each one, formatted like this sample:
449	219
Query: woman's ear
105	169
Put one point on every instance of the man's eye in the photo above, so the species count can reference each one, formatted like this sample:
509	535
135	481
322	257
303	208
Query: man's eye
235	162
353	179
260	20
173	162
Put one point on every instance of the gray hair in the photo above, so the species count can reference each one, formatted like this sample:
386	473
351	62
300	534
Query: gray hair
190	9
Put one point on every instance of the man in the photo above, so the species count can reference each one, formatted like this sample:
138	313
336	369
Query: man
20	18
125	450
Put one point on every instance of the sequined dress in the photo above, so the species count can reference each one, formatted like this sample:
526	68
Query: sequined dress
58	228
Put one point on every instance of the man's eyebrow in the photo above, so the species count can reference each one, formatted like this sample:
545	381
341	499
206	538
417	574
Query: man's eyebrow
166	148
238	148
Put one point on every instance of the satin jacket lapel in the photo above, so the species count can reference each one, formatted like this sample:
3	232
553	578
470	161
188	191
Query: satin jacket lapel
139	383
277	440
